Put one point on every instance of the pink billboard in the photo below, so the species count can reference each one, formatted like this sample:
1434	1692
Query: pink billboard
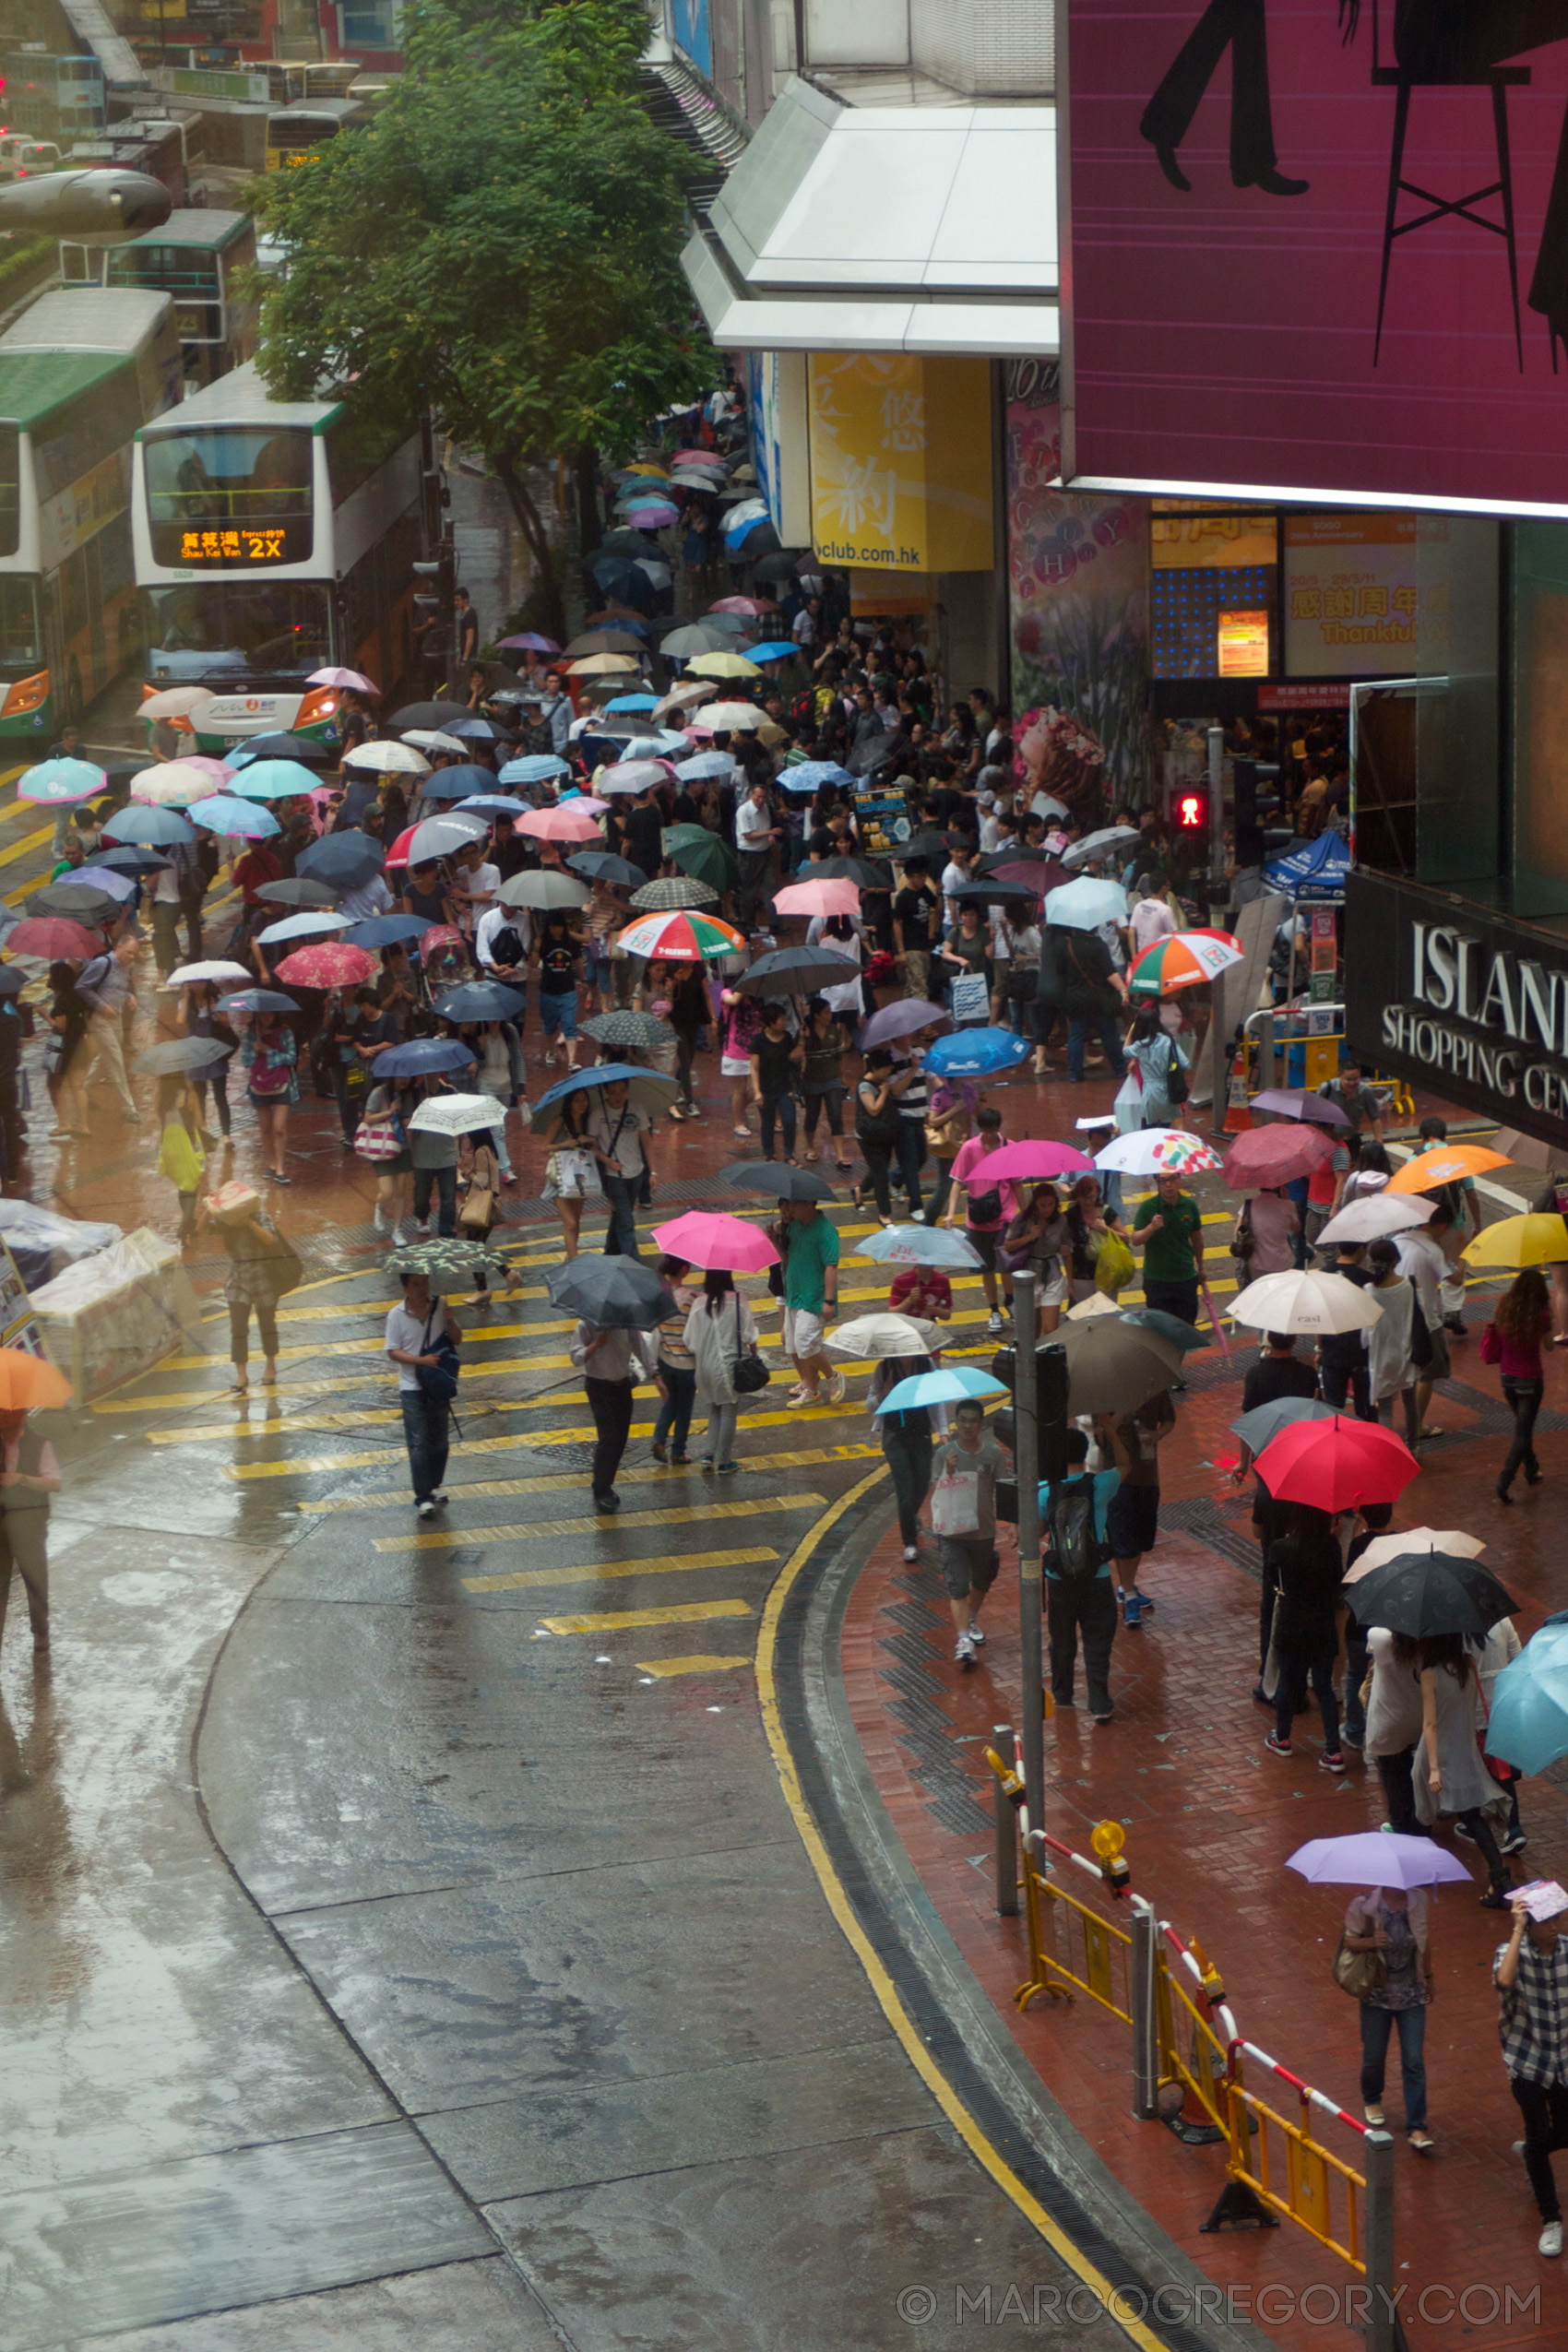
1319	250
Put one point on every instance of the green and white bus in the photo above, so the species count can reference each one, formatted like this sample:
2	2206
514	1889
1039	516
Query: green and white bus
197	258
80	374
274	538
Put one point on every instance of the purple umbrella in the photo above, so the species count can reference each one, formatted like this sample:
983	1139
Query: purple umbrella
1293	1103
901	1020
1376	1858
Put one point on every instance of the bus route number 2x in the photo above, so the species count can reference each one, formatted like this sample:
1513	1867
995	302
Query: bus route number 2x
231	547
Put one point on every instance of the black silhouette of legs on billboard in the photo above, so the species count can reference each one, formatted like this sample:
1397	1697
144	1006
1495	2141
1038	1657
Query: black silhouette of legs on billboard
1239	26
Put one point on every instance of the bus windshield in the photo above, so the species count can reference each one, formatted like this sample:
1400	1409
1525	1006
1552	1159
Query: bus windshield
238	630
229	496
21	641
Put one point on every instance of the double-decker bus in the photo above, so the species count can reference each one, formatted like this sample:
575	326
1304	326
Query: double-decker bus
53	97
80	374
195	259
294	133
274	538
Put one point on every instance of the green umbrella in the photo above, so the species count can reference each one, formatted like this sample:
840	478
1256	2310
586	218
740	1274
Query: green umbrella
697	851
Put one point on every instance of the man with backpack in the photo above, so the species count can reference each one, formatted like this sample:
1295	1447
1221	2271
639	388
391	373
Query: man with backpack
1079	1595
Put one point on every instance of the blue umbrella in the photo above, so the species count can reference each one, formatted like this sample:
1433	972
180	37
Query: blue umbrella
422	1057
632	702
1529	1702
382	931
646	1090
313	924
456	783
165	828
807	774
481	1001
473	730
61	780
976	1054
944	1387
493	804
274	779
537	768
658	746
257	1000
706	763
246	819
776	649
919	1245
340	860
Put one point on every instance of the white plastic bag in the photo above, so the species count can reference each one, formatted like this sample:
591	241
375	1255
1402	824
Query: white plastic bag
954	1503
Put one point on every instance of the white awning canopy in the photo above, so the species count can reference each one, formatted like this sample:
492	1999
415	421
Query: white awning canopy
885	229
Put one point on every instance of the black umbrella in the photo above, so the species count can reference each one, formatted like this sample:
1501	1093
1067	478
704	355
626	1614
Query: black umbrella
613	1294
282	746
622	542
789	971
866	874
343	860
75	902
1428	1593
779	564
298	890
127	859
632	1032
597	865
181	1054
12	978
927	844
772	1177
995	894
433	715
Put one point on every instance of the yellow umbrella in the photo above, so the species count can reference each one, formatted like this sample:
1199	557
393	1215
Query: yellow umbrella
1520	1240
722	665
604	665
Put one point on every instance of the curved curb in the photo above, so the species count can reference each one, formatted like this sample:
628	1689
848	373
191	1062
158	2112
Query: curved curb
979	2078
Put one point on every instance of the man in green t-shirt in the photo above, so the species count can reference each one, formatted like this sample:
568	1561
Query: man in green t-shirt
1168	1230
810	1294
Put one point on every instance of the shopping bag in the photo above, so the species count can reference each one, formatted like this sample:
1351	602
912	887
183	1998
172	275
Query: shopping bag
954	1503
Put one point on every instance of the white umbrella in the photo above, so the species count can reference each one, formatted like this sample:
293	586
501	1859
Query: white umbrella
172	785
388	759
682	697
457	1114
1099	1302
175	702
443	837
430	739
886	1334
633	776
727	718
1103	844
1158	1151
1373	1216
1385	1547
217	970
1086	904
1306	1302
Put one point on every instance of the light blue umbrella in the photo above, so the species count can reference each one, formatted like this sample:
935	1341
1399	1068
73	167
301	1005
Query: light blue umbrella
1529	1702
245	819
776	649
632	702
315	923
944	1387
273	780
55	781
919	1245
536	768
149	828
807	774
1086	904
715	764
658	746
492	804
976	1054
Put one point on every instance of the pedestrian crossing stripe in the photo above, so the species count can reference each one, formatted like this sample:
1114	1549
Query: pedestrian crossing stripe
638	1474
324	1464
623	1620
591	1572
285	1391
664	1668
598	1524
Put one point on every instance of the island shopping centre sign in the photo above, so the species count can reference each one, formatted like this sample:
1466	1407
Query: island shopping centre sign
1469	1006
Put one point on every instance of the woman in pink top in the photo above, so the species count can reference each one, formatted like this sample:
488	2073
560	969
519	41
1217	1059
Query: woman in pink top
1512	1340
1272	1220
986	1207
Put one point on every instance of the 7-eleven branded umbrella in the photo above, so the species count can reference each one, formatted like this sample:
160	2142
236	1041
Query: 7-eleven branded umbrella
332	965
686	937
1182	959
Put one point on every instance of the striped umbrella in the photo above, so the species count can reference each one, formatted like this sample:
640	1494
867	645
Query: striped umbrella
681	938
1182	959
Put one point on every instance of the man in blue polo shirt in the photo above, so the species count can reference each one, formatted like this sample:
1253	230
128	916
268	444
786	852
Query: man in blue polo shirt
1079	1594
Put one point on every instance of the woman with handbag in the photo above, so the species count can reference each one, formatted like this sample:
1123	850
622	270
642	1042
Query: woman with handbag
1448	1772
1512	1340
1155	1085
269	1053
421	1332
381	1140
1267	1224
1036	1241
571	1175
947	1131
182	1154
1384	1963
721	1337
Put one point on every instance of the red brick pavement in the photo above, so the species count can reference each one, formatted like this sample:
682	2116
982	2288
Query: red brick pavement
1210	1817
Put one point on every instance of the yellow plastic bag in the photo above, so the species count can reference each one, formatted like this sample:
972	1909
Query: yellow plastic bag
1114	1265
179	1159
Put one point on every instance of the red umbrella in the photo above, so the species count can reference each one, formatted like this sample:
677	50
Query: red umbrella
53	939
333	963
1031	874
1336	1464
398	855
1270	1156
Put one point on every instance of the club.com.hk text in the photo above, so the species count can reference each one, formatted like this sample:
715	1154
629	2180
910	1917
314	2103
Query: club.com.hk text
1271	2304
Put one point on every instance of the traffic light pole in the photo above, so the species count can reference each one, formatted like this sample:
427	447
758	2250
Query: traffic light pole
1219	1077
1031	1613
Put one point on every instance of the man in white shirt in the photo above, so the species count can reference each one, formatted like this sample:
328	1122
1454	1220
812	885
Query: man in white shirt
367	900
495	920
475	883
1151	918
959	869
755	833
1423	1254
803	628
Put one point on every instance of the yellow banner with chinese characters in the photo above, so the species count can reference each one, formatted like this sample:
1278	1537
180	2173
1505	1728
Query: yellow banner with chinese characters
901	461
1349	597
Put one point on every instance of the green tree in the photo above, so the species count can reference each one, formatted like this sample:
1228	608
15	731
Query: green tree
500	246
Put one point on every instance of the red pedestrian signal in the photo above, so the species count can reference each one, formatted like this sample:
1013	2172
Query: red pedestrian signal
1192	812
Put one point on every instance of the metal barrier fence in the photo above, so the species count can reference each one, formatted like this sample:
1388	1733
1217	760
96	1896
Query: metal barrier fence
1185	2039
1272	1032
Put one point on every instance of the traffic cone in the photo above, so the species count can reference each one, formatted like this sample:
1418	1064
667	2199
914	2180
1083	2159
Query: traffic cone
1238	1117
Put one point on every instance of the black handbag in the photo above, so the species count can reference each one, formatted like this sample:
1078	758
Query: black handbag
748	1372
438	1380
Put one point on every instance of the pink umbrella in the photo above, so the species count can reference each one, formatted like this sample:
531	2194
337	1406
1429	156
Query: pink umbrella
346	682
332	965
439	935
566	822
818	898
696	734
901	1019
1034	1160
705	1238
698	457
750	606
217	769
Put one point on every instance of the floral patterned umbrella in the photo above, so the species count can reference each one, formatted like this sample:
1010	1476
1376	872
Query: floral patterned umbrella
333	964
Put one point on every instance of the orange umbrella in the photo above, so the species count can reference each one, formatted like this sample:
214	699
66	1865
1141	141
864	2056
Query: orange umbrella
1447	1165
26	1380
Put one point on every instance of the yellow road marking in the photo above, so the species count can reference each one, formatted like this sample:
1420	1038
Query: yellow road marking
664	1564
648	1474
621	1620
499	1367
700	1664
881	1982
600	1524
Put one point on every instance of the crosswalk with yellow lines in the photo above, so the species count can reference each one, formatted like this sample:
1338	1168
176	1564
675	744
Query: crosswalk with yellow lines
695	1538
